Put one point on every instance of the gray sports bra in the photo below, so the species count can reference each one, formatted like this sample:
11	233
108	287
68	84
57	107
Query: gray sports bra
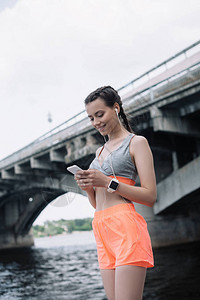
122	163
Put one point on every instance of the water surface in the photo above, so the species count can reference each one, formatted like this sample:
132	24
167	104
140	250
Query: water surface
66	267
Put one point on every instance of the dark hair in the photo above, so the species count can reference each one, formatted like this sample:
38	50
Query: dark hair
110	96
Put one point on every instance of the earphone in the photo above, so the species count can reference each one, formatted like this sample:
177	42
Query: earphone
116	111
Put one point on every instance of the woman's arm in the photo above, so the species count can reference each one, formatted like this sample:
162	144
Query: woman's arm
143	158
88	188
91	197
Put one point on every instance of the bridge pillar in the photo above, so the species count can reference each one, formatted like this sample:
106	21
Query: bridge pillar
170	121
9	215
174	161
8	239
80	146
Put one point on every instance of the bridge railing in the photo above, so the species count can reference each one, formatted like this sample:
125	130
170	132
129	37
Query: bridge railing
136	93
152	93
160	68
53	137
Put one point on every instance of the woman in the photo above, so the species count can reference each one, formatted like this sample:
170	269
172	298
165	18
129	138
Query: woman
123	243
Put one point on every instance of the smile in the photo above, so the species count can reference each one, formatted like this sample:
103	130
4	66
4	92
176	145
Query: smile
101	128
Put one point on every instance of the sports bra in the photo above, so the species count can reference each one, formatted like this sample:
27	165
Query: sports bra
122	164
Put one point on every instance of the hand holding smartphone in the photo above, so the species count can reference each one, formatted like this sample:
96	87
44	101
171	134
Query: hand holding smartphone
73	169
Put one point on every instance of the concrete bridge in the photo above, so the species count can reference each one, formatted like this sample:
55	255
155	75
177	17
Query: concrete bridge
163	105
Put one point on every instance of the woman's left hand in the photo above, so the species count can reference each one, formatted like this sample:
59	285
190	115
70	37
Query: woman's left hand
91	178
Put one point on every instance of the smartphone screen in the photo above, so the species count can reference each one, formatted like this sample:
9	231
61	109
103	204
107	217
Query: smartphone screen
73	169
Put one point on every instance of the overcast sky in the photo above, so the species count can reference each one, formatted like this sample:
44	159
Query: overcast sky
54	52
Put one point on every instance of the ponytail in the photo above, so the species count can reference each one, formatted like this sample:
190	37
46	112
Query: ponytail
125	120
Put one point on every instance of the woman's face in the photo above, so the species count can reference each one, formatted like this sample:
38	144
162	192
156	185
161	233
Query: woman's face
102	117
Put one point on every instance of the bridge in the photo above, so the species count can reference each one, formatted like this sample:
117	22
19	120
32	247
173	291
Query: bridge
163	105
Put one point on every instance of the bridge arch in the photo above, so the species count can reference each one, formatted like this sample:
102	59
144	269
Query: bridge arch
20	207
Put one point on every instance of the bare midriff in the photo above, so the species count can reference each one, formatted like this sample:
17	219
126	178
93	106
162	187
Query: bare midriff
105	199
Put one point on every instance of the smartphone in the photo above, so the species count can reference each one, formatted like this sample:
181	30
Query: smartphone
73	169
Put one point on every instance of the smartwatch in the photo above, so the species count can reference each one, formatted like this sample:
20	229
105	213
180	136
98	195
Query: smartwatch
113	185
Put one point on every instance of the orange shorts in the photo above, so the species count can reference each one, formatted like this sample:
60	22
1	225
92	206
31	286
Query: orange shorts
122	237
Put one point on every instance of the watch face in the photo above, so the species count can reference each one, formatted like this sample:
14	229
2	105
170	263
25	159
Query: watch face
113	185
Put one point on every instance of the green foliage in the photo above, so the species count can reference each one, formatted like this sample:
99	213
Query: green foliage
62	226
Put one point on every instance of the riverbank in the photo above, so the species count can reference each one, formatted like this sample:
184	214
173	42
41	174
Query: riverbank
61	227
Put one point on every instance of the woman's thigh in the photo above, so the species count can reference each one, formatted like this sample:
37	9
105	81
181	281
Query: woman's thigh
129	282
108	277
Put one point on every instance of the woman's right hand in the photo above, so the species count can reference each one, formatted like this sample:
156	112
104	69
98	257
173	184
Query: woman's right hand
81	182
88	179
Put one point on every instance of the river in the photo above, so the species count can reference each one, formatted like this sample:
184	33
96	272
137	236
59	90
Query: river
65	267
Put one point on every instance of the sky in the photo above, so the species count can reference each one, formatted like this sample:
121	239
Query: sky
53	53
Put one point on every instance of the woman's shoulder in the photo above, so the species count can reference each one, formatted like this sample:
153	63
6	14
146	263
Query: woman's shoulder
93	163
137	142
139	139
99	150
